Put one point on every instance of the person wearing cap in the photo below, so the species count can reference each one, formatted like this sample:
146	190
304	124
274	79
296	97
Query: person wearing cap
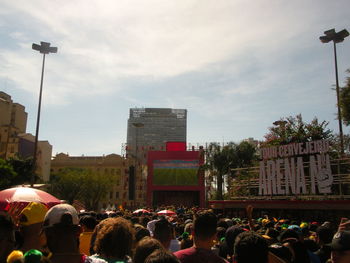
341	247
61	229
30	222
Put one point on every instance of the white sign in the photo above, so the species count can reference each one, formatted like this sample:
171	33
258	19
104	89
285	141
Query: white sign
285	176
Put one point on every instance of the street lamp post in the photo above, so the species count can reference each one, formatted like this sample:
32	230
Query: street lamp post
44	48
336	37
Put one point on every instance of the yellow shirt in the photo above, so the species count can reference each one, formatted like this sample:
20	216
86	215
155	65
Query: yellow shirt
84	243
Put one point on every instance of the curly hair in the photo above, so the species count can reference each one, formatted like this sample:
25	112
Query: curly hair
114	238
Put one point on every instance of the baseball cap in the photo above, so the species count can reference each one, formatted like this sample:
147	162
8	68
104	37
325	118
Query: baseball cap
151	225
33	213
341	241
62	214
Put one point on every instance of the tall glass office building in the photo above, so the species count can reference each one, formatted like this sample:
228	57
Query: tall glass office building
152	128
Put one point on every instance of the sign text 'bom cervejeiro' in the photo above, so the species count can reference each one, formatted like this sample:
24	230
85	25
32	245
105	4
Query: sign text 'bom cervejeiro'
282	170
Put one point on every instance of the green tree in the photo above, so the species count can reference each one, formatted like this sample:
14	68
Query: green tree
220	160
96	187
68	184
345	101
295	130
80	184
23	168
8	175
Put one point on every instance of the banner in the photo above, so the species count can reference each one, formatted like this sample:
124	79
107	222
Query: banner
283	171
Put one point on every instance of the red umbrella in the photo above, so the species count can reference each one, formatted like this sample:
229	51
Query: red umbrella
141	211
25	195
166	213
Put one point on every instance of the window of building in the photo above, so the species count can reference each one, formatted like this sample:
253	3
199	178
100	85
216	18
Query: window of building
117	195
111	195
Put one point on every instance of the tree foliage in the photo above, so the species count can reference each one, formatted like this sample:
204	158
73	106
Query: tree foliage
15	171
80	184
68	184
220	160
8	175
295	130
23	168
345	101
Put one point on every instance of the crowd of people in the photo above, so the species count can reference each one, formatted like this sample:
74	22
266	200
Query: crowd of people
62	235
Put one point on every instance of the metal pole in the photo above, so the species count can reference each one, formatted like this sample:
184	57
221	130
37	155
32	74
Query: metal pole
37	124
338	102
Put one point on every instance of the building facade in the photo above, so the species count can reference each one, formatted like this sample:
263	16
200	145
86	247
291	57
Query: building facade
152	128
14	141
114	166
13	121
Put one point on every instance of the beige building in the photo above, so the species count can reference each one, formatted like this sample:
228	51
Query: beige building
110	165
14	141
13	120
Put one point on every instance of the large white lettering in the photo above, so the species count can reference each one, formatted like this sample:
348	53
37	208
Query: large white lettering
287	176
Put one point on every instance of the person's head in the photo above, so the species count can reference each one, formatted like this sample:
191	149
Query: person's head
188	227
324	235
250	247
204	226
298	250
220	233
88	223
34	256
114	238
61	228
140	232
230	237
288	234
341	247
145	247
33	214
161	256
186	240
30	222
7	236
163	231
16	256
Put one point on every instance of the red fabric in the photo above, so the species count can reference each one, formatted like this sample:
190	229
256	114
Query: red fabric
25	195
175	146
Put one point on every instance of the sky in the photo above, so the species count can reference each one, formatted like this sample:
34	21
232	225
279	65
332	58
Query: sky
236	66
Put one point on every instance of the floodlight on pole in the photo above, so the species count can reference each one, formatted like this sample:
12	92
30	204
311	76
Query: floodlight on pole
44	48
336	37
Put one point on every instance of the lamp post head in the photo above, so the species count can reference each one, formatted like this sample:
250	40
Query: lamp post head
44	48
331	35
